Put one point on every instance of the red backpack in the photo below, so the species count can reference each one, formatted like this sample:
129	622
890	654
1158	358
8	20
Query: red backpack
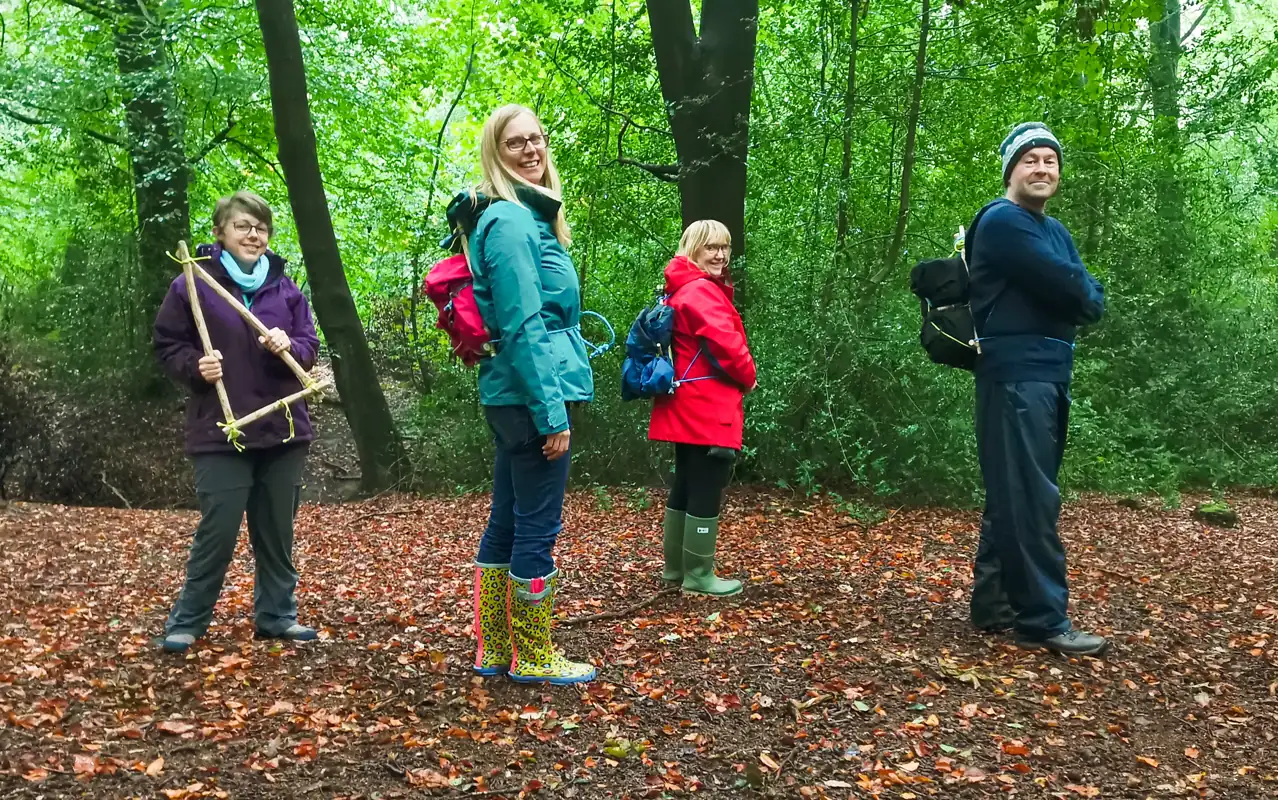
450	286
450	283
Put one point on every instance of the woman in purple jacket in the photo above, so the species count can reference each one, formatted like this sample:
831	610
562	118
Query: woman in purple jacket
264	478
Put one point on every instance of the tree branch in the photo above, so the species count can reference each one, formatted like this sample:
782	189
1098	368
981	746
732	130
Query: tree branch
663	172
94	9
29	120
217	140
424	369
1194	27
606	107
624	612
674	41
145	12
668	173
258	155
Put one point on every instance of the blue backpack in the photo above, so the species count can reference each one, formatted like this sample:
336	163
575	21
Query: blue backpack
648	369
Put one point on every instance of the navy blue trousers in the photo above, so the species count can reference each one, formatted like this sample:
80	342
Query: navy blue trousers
1019	573
528	496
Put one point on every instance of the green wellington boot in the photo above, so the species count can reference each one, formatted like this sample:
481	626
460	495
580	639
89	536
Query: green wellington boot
672	544
700	537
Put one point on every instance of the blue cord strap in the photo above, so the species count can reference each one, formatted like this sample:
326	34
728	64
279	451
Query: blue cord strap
599	349
595	349
687	369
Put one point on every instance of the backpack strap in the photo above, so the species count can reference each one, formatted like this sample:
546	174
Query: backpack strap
969	242
463	214
465	248
971	229
700	349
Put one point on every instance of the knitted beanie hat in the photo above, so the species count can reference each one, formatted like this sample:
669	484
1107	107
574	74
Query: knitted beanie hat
1026	136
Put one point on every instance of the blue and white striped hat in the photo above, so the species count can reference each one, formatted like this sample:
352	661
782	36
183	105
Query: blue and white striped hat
1024	137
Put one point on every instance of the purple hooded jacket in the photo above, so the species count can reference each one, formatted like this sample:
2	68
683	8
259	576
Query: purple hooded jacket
253	376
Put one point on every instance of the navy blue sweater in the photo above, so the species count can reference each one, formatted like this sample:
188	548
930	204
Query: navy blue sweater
1029	291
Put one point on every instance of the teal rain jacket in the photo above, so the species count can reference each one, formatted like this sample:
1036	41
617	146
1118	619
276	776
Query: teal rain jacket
528	294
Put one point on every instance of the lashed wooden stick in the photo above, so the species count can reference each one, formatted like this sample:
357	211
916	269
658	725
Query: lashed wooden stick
251	320
192	270
184	255
314	388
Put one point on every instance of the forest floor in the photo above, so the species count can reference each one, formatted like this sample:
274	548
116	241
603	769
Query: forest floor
846	669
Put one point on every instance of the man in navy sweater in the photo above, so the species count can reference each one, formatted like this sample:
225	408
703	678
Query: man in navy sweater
1029	291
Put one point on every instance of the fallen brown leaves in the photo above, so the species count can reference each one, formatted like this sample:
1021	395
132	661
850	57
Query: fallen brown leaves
845	670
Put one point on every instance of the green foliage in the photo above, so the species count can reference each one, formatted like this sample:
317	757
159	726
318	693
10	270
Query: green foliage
603	499
1171	390
858	511
640	499
1217	512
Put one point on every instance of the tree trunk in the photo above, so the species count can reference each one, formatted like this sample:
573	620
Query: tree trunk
1085	13
362	398
814	226
156	145
1097	187
1164	66
907	164
707	82
849	108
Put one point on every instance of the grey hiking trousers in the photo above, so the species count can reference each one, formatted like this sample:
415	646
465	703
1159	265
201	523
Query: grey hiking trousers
265	484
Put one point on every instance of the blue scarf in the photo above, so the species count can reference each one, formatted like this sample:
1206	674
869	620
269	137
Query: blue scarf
249	282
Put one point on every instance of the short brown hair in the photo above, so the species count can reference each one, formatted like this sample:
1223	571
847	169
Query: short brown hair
248	202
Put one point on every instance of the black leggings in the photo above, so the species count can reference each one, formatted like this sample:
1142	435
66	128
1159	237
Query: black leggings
700	479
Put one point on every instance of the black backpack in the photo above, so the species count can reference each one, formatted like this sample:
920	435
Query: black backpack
943	287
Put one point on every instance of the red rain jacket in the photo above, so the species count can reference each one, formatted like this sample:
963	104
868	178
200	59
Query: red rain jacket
704	412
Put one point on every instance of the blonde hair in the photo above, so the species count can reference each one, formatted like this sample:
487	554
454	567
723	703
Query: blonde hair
701	233
500	182
248	202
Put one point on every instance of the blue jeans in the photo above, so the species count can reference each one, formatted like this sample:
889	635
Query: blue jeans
528	496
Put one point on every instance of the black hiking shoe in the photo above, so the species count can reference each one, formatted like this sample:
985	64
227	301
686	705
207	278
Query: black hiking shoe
1072	642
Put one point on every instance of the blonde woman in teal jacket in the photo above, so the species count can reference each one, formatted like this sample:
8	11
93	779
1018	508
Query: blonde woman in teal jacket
527	291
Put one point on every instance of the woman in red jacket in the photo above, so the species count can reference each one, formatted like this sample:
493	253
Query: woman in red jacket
704	416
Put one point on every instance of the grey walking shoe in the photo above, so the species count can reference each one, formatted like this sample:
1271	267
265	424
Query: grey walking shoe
1072	642
177	642
293	633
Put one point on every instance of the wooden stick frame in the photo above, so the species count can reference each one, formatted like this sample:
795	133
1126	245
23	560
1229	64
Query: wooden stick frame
192	270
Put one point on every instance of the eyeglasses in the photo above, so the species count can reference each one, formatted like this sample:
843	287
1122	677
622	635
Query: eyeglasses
241	227
516	144
725	249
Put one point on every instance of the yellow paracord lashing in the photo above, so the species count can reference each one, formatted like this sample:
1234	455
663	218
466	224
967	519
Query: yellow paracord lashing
288	413
233	435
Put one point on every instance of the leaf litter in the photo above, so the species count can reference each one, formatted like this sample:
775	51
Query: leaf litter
846	669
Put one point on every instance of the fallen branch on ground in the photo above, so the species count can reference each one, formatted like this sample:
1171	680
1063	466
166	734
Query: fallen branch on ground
623	612
123	499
